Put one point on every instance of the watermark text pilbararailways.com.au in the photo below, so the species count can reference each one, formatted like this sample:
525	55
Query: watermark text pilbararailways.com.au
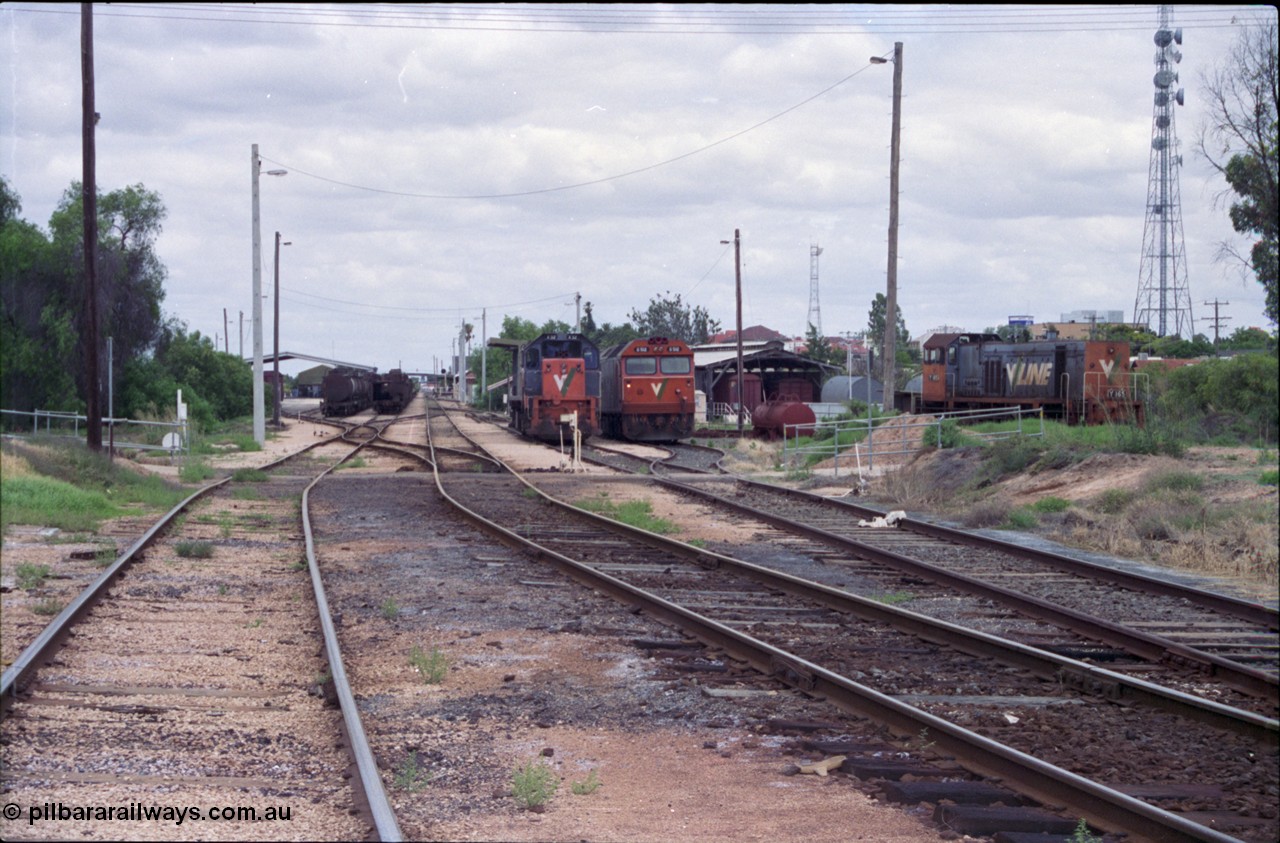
142	812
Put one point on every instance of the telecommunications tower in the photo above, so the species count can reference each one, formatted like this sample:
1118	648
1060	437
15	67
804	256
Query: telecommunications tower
815	312
1164	299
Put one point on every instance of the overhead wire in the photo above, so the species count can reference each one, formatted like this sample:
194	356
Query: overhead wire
703	19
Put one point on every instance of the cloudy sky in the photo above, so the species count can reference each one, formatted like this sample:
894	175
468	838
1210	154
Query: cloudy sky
448	162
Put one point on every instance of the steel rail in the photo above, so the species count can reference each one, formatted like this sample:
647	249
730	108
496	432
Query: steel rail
1103	806
48	641
1044	782
52	636
375	794
1082	676
1146	645
1253	612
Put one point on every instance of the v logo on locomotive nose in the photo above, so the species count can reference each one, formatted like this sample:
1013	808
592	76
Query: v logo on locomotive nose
659	388
1107	365
563	381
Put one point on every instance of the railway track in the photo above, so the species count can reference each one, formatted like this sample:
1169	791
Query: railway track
197	681
1201	642
1121	766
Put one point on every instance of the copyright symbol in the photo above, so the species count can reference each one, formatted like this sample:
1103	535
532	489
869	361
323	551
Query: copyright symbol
12	811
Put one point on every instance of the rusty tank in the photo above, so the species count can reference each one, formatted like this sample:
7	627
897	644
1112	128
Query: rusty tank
772	418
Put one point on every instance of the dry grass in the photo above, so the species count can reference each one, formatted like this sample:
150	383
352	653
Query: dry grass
12	465
1199	517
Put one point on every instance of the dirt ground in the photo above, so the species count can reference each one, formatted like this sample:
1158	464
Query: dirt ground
720	792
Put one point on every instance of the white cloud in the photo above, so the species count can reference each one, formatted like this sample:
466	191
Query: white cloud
1024	166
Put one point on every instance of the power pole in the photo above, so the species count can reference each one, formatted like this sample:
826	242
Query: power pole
276	392
891	292
1218	321
737	274
90	202
226	337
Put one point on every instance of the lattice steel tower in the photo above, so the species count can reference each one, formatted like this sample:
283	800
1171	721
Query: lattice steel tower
1163	295
815	312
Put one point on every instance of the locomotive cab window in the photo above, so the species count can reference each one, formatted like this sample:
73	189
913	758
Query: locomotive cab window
641	365
531	360
675	365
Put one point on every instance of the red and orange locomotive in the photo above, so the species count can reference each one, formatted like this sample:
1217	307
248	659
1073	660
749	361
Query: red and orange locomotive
647	390
556	378
1075	380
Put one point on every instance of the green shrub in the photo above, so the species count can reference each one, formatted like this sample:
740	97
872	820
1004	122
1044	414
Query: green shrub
1051	504
590	785
194	549
633	513
433	667
31	576
1270	478
409	776
47	502
533	784
1173	481
1020	518
1113	501
250	475
195	471
47	608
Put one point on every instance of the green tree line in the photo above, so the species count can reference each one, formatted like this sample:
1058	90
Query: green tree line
43	354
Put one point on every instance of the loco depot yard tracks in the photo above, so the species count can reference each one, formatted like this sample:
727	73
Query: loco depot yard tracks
191	687
1201	642
999	718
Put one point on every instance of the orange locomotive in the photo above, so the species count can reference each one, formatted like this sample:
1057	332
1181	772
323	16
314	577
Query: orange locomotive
647	391
555	383
1075	380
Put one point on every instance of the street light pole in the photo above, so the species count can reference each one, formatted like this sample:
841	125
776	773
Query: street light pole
259	422
275	354
259	409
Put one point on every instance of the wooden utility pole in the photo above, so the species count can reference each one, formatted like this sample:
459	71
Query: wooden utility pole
1218	321
90	202
891	294
737	274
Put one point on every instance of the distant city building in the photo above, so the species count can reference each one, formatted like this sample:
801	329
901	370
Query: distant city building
1098	316
918	342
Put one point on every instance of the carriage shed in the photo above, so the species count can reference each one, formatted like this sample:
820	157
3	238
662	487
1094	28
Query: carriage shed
309	380
770	373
